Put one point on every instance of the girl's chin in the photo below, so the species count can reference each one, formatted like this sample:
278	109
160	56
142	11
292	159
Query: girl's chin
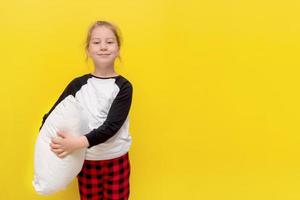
104	61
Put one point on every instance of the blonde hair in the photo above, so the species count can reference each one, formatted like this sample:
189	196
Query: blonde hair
116	31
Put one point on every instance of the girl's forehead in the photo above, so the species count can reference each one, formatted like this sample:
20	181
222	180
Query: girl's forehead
100	32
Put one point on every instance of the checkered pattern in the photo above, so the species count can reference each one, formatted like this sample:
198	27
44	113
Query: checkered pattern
105	179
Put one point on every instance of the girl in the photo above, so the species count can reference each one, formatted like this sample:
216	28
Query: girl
107	97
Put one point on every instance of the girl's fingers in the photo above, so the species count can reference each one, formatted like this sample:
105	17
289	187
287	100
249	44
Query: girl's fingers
56	140
63	154
57	151
55	146
61	134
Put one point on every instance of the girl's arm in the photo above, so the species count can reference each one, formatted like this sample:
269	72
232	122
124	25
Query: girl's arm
117	115
115	118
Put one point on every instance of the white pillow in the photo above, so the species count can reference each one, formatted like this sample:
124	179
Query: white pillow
52	173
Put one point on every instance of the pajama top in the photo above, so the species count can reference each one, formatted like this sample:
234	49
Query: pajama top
107	101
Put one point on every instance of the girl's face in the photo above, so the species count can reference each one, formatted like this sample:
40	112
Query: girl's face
103	46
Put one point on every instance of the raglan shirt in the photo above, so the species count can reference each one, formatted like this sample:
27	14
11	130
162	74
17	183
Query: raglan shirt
107	101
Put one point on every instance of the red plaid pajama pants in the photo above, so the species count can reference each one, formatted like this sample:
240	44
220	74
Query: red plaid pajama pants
105	179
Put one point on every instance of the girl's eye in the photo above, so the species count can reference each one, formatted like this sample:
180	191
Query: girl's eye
99	42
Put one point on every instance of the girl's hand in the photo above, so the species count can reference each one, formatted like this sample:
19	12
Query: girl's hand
67	144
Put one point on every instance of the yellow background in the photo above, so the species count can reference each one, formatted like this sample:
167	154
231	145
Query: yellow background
215	113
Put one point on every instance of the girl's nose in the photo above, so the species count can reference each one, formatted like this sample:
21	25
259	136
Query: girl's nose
103	47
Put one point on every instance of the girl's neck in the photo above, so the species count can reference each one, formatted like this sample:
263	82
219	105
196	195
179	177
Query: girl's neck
104	71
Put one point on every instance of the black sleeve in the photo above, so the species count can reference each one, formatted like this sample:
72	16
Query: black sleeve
67	91
115	118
